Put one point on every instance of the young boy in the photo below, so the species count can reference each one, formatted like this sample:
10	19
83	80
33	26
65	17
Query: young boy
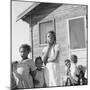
67	66
67	79
39	74
82	80
74	69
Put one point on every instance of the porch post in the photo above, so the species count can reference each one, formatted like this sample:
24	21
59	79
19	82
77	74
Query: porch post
31	31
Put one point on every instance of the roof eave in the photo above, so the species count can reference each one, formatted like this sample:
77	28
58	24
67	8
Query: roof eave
27	11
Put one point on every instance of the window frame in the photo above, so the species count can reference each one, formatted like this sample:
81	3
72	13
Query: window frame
54	28
85	34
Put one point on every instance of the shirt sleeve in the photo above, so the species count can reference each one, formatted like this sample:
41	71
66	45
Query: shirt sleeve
32	65
57	47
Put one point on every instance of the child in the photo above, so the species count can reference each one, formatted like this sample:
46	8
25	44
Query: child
67	79
14	80
74	69
50	57
82	80
39	80
24	67
67	66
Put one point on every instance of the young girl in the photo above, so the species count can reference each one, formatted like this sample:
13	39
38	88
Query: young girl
74	69
39	79
24	67
50	57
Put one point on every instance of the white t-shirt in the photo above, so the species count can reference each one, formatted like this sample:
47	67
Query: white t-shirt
74	71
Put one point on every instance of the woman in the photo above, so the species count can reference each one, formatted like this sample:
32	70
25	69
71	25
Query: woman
50	57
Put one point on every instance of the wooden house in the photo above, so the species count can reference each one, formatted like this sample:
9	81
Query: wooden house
69	21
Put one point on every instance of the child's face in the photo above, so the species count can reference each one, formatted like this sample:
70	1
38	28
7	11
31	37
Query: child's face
50	38
39	63
73	59
68	64
23	53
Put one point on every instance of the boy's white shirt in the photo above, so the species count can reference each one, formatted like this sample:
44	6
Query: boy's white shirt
73	70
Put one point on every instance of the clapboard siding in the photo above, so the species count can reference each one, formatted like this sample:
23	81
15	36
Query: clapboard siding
37	50
61	16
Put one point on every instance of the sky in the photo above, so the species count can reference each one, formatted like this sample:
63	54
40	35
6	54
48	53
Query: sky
20	29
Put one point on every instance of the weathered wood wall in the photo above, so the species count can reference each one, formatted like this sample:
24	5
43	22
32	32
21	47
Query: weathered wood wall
61	16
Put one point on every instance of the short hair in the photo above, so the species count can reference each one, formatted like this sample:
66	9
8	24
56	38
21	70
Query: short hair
54	34
81	68
75	58
38	58
25	46
67	60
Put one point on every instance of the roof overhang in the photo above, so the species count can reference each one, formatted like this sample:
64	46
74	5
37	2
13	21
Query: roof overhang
37	12
22	15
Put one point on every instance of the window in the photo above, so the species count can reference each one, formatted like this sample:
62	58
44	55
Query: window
77	33
44	27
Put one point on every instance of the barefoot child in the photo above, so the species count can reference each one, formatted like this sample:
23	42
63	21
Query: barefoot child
25	67
39	80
